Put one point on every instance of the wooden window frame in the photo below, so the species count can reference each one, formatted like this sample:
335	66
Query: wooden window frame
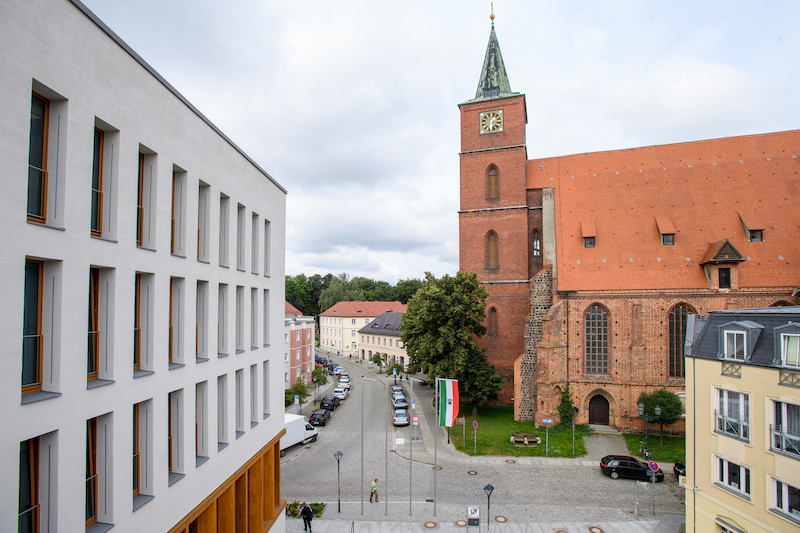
93	354
724	284
172	216
589	242
169	432
140	203
33	481
40	219
668	239
492	250
170	354
37	385
91	470
137	325
493	322
537	244
97	184
493	184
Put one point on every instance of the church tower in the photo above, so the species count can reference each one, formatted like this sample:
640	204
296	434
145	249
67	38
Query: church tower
494	239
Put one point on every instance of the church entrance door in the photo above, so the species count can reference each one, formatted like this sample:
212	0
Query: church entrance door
598	410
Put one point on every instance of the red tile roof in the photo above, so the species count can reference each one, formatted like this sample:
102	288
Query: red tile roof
291	310
357	308
701	186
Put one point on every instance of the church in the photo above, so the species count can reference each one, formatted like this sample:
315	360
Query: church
594	261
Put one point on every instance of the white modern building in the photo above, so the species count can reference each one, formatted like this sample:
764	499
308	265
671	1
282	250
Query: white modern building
143	262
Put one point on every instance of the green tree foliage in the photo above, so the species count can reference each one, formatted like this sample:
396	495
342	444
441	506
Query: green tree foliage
566	407
304	292
299	389
440	330
319	376
670	404
341	289
405	289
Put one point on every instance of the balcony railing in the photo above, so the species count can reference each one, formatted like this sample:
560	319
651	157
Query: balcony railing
97	209
135	474
137	344
29	520
732	424
91	498
785	440
92	358
32	360
37	191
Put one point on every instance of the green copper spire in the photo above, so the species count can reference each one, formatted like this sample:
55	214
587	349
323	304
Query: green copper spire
494	80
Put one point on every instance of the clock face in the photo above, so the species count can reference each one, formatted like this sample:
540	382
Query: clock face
491	121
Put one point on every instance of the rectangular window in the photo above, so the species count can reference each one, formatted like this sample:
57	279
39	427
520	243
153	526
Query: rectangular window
203	215
253	395
253	319
588	242
239	385
224	206
32	338
29	508
201	422
143	326
145	199
734	345
201	322
239	319
724	278
790	350
91	471
254	238
266	317
94	323
668	239
137	326
142	459
37	158
286	377
786	499
733	414
756	235
176	322
240	237
266	247
136	458
175	436
96	220
222	411
265	389
178	216
733	476
786	428
222	320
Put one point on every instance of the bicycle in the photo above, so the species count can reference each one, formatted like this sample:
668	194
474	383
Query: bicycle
644	451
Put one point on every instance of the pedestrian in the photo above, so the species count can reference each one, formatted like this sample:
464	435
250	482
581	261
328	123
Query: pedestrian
307	515
374	491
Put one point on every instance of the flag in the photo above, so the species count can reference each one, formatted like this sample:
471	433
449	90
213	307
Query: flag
448	402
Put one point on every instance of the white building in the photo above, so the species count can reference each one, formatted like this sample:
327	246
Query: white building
382	336
135	233
339	324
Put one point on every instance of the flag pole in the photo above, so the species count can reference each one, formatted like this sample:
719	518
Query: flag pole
436	445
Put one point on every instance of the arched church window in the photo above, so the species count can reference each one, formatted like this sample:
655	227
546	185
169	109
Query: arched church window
677	337
491	250
493	184
492	322
596	322
537	244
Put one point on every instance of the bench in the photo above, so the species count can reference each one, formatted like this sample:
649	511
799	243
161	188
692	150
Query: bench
525	438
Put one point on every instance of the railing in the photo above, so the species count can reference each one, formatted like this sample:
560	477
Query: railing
137	333
92	358
36	194
29	520
135	474
785	440
139	224
91	498
31	360
97	209
732	425
169	358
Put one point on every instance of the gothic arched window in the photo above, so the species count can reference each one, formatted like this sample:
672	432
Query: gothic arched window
677	337
537	244
596	321
492	322
491	250
493	184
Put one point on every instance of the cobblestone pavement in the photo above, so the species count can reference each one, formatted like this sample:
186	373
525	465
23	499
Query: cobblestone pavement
530	492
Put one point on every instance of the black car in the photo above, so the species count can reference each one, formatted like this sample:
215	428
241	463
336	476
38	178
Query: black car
320	417
330	403
679	469
617	466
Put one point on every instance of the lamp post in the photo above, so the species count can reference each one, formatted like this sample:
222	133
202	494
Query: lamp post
647	418
338	456
573	429
412	431
488	489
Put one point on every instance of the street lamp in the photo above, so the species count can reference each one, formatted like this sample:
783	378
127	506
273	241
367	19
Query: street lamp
573	429
647	418
411	434
488	489
338	456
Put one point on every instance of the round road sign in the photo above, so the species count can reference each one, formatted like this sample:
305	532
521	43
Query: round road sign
653	466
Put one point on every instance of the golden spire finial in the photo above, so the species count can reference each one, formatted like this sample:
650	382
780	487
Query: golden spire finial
492	15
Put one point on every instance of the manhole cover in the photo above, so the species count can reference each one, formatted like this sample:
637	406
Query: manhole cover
472	473
595	529
461	523
430	525
512	461
501	519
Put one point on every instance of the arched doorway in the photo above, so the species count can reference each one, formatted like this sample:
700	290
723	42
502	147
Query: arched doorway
598	410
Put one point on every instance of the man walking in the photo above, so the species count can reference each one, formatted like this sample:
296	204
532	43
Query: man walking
307	515
374	491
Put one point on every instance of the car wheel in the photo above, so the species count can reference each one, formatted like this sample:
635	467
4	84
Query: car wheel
283	452
614	475
314	438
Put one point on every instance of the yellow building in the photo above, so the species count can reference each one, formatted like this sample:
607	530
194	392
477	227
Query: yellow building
743	421
382	336
339	325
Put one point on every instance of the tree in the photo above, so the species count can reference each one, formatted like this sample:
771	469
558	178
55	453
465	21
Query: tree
440	328
341	289
566	407
670	404
319	376
405	289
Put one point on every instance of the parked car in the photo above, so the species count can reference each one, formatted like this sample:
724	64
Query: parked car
330	403
344	377
400	417
341	392
399	402
617	466
679	469
337	370
395	389
320	417
344	383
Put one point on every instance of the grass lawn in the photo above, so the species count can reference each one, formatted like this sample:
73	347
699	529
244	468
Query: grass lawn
673	450
495	426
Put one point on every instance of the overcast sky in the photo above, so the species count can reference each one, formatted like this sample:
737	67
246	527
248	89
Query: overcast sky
351	105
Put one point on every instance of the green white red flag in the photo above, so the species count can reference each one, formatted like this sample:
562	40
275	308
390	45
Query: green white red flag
448	402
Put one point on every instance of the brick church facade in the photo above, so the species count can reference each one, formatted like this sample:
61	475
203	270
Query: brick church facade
593	261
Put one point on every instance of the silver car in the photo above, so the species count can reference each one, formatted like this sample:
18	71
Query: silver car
340	392
401	417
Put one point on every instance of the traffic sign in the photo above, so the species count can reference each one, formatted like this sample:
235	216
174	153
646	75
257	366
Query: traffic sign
413	404
547	421
296	398
475	424
653	466
415	420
